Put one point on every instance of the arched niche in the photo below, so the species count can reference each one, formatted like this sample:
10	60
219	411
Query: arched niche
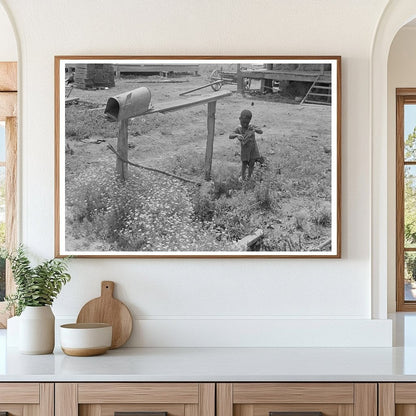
396	15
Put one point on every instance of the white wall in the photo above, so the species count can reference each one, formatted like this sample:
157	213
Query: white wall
204	302
8	46
401	74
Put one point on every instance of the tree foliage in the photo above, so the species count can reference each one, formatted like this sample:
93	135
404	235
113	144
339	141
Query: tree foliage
410	204
410	146
410	190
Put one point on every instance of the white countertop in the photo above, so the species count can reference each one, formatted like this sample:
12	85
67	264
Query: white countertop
221	364
215	364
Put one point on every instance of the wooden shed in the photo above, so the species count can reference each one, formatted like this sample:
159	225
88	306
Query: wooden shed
94	76
156	69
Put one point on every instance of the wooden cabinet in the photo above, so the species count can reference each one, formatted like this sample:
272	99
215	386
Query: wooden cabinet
208	399
262	399
27	399
105	399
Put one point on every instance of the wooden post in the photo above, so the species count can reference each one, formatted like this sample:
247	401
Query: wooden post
240	81
123	149
266	85
210	139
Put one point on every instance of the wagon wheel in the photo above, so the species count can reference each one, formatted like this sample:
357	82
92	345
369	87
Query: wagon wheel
216	76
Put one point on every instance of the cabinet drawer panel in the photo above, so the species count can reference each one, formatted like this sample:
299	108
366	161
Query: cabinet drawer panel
110	409
341	393
405	393
13	409
405	410
263	410
19	393
138	393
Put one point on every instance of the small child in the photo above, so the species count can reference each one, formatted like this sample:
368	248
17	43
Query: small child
249	150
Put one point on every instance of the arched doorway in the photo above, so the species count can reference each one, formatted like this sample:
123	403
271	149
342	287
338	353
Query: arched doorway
396	15
401	96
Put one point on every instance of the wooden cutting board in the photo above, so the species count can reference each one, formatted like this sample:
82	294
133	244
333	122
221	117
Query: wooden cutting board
108	310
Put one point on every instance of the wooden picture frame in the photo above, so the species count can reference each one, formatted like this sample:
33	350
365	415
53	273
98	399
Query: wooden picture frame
145	167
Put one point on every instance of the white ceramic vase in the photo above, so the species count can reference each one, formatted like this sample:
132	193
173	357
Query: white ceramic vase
37	330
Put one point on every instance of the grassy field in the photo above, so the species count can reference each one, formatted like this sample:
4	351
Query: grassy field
289	198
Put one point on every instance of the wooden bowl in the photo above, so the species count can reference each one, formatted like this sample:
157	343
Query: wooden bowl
84	340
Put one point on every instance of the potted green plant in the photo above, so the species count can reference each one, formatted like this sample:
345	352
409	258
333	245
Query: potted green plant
36	289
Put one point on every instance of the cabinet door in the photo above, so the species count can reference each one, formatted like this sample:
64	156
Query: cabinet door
142	399
297	399
26	399
397	399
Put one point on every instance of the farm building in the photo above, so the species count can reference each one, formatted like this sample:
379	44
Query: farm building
309	82
94	76
163	70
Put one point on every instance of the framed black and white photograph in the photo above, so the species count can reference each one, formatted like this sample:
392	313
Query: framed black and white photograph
198	156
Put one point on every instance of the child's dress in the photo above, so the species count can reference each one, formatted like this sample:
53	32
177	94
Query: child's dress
249	149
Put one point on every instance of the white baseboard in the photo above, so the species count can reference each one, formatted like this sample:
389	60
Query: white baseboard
255	332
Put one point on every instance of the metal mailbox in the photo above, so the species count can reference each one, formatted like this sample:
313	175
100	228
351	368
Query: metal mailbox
129	104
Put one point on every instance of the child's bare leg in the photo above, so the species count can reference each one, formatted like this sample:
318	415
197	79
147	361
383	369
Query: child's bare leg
250	168
243	170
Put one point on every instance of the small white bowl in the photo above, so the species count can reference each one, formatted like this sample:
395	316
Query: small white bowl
83	340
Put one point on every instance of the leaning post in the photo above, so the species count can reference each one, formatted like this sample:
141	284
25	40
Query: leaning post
122	149
210	139
240	80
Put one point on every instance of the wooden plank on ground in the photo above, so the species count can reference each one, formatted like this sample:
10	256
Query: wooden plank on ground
72	100
249	240
186	102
